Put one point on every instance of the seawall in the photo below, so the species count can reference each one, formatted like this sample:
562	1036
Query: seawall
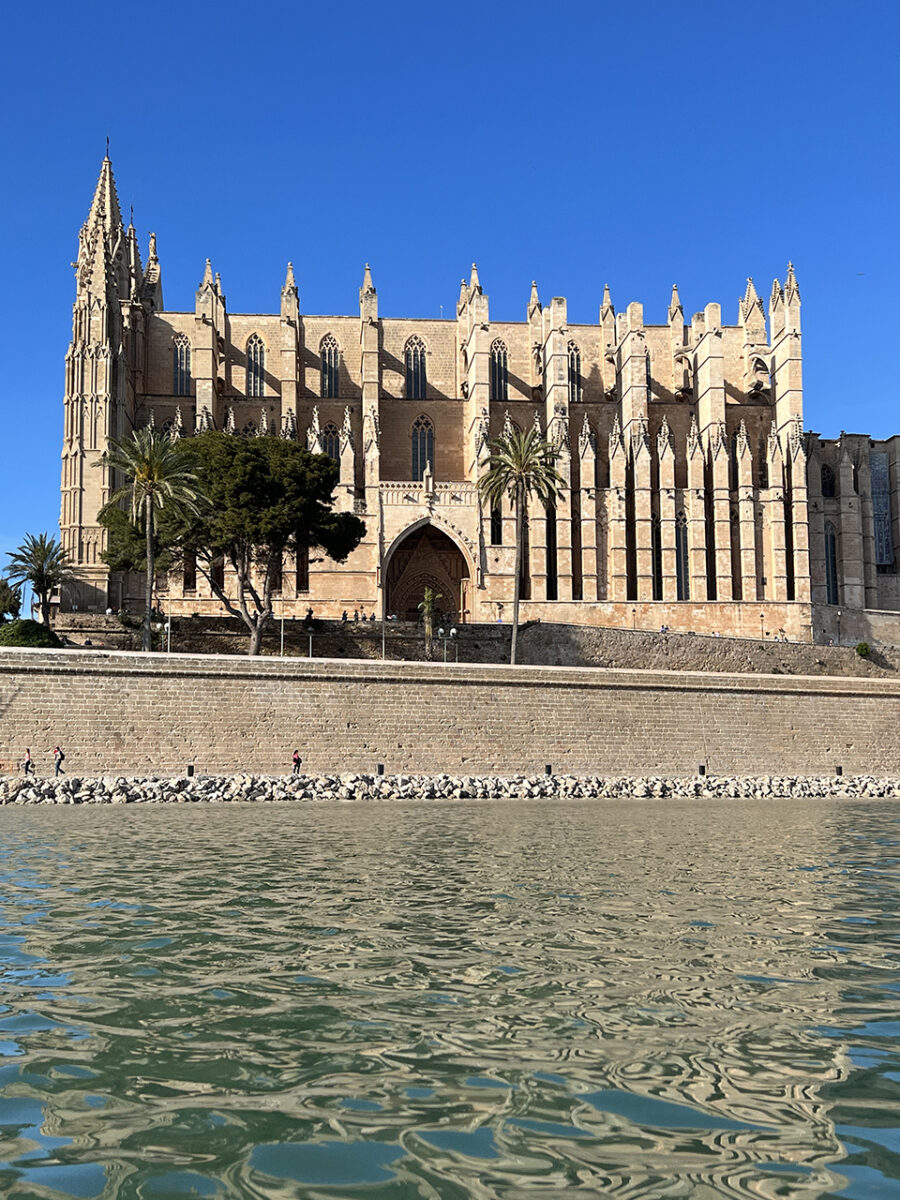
119	712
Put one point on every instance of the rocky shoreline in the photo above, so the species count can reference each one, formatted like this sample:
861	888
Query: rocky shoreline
349	786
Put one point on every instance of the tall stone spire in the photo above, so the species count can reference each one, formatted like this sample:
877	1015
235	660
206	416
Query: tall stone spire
474	282
368	287
105	205
675	307
606	306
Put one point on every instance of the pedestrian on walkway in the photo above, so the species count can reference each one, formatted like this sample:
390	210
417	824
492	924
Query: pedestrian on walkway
297	761
28	764
58	760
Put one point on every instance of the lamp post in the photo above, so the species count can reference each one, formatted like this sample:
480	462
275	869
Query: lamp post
169	634
455	642
310	632
282	626
839	615
633	620
762	618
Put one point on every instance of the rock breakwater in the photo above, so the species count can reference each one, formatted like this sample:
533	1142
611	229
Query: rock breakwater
222	789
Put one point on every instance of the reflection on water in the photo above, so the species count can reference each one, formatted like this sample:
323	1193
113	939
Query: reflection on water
454	1000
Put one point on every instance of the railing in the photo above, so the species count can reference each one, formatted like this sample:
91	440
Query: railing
413	492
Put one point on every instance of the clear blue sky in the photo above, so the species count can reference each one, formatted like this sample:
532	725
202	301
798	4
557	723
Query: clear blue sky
578	144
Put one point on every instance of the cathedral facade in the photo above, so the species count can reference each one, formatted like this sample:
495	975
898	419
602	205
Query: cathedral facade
692	495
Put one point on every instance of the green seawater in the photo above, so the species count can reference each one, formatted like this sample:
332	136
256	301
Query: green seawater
672	999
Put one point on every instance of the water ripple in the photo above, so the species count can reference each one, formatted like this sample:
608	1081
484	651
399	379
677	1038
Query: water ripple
466	1000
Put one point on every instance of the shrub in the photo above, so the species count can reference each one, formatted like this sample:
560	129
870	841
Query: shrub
29	633
863	649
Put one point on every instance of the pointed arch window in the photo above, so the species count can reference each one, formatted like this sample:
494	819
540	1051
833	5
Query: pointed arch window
682	574
181	366
331	367
256	365
496	527
249	429
831	572
422	446
499	371
416	379
828	482
331	441
576	383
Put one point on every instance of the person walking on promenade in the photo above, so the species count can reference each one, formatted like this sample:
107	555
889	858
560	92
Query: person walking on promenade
28	764
297	761
58	759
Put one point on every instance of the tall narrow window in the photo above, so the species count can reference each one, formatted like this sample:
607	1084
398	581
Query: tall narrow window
576	387
422	446
190	572
656	556
331	441
416	381
302	567
331	367
181	366
276	575
256	366
496	527
682	574
831	573
733	470
499	371
828	484
552	567
217	573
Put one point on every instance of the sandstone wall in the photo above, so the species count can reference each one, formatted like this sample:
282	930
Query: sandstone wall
130	713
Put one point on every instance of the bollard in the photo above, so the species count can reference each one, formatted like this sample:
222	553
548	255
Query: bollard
701	768
379	767
190	770
838	770
548	769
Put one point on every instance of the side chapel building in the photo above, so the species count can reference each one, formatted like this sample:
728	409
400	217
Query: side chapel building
693	496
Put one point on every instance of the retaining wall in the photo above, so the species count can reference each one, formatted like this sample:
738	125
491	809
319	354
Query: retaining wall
131	713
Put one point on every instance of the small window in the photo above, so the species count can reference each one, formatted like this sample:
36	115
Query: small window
249	429
217	573
256	366
331	441
181	366
331	367
576	385
499	371
422	446
416	381
828	482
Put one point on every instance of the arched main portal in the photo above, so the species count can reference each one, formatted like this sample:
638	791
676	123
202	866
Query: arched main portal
426	557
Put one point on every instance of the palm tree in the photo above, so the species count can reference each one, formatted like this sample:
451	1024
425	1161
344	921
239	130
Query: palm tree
521	465
428	605
159	476
43	563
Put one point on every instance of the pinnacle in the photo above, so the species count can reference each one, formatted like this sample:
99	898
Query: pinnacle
675	303
367	284
790	284
207	275
105	205
474	284
290	283
607	305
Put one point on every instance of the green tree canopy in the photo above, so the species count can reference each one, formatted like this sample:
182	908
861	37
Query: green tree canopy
43	563
10	600
265	496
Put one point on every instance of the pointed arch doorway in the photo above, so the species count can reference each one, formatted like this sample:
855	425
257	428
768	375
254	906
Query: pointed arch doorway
427	557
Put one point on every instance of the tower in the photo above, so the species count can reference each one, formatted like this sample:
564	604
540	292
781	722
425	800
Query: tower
107	337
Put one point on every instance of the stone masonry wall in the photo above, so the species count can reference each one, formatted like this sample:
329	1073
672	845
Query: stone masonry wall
123	713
